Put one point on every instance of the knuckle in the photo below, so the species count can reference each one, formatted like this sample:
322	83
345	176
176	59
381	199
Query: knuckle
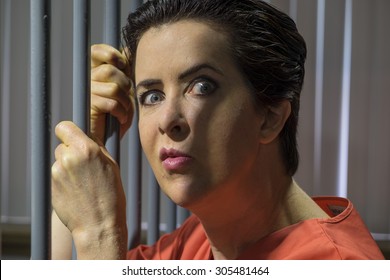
58	173
68	161
110	56
78	156
103	73
94	48
55	171
89	150
114	88
113	105
107	70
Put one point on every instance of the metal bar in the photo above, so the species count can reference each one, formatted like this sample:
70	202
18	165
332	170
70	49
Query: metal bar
40	130
5	88
293	9
342	178
81	68
112	37
153	209
319	95
81	64
134	192
134	186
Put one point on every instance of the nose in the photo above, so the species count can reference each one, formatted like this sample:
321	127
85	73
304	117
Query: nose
173	121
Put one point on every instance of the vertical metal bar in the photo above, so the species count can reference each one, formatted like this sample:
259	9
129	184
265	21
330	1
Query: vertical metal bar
112	37
171	215
135	174
81	68
112	23
153	209
319	91
5	88
134	186
342	180
40	129
81	64
293	9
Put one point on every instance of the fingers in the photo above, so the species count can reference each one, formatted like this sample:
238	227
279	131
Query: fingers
113	91
75	152
110	83
119	109
110	66
105	54
74	143
110	73
111	88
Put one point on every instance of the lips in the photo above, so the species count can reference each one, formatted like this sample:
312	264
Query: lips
174	160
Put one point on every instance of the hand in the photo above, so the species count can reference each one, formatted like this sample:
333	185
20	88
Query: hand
110	89
87	194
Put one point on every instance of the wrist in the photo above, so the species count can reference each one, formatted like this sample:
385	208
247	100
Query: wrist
101	242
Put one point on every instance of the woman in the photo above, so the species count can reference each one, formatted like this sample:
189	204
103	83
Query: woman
217	85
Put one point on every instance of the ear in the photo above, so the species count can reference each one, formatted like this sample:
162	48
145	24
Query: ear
275	118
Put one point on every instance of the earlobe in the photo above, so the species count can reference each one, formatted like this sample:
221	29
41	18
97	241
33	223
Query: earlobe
275	118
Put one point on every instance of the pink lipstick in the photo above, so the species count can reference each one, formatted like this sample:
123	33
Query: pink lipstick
174	160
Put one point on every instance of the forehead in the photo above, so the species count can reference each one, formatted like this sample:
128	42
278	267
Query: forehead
179	45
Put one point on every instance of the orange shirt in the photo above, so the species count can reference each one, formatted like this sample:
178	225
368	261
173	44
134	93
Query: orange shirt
343	236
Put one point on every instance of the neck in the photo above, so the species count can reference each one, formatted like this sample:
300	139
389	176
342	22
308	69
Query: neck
243	219
246	213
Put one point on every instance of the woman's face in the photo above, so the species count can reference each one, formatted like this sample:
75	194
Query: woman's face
198	125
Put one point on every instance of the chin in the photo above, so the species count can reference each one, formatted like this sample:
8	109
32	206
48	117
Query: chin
184	195
184	200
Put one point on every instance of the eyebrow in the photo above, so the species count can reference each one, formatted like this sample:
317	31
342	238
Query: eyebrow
188	72
196	68
147	83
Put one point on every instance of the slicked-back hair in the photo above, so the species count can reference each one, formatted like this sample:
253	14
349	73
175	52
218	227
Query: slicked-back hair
264	42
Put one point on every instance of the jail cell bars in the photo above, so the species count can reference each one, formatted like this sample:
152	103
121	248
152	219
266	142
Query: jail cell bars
40	125
40	130
112	37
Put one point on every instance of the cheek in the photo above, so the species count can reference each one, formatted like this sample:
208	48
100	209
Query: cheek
233	132
212	131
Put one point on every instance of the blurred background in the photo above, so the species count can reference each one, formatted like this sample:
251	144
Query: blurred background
344	131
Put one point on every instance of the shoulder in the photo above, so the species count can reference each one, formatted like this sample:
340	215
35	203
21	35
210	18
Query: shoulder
342	236
346	230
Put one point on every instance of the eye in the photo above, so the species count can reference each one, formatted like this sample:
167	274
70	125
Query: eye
150	98
203	87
